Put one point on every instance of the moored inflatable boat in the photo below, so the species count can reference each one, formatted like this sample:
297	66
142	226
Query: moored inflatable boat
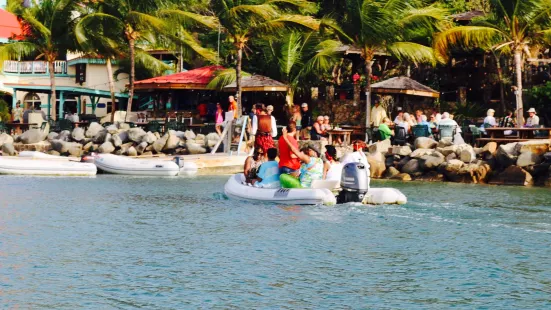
30	166
235	188
129	166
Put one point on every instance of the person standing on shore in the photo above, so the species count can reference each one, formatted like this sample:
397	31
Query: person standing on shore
17	113
219	118
377	114
307	122
297	117
233	107
264	129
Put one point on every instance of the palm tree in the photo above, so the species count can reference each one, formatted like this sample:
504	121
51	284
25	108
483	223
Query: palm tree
244	19
388	27
145	21
47	32
296	56
514	25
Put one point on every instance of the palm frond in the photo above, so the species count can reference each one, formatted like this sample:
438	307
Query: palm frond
304	6
413	52
36	25
191	44
16	50
289	21
325	57
153	64
290	52
190	19
262	11
224	78
465	36
147	22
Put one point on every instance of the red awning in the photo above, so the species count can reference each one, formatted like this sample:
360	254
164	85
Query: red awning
9	25
192	79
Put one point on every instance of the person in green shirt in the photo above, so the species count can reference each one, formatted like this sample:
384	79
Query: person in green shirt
384	130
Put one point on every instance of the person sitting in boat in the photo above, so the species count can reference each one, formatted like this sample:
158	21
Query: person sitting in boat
332	169
289	162
252	163
268	173
311	168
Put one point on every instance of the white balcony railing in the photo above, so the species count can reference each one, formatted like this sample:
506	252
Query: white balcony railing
33	67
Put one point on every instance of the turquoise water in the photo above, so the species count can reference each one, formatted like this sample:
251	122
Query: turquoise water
121	243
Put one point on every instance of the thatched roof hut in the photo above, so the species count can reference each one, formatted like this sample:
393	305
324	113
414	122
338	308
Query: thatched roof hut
258	83
405	86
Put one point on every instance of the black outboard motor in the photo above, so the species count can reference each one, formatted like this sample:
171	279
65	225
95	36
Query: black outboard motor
354	183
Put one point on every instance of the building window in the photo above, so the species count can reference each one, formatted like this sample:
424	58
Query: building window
31	99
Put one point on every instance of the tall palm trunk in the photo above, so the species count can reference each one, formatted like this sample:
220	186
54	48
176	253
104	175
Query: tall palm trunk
132	44
238	80
368	71
518	92
53	100
111	88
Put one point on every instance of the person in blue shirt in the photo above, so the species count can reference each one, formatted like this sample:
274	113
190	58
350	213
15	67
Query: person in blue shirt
268	173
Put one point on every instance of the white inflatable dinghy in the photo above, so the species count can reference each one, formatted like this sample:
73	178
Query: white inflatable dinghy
187	168
30	166
300	196
40	155
130	166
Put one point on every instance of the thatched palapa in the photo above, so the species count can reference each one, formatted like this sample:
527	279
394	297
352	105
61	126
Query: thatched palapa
404	85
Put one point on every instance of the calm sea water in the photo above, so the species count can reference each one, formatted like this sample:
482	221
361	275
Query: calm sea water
113	242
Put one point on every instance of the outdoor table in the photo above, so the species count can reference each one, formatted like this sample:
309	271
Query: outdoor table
198	127
20	125
343	132
524	132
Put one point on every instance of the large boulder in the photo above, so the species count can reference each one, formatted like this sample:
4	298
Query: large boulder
377	167
513	175
402	177
490	148
172	142
412	167
418	153
132	151
160	143
538	147
149	138
125	147
400	150
106	148
467	155
194	148
136	134
5	138
445	142
112	129
447	150
32	136
141	147
116	140
431	176
93	130
52	136
88	147
190	135
430	162
507	154
391	172
78	134
123	134
425	143
64	135
528	159
100	136
64	147
381	146
212	139
8	149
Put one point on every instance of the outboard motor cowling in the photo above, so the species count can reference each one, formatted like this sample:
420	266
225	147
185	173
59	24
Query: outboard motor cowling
354	183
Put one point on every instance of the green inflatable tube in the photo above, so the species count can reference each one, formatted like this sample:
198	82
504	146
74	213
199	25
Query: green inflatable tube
289	181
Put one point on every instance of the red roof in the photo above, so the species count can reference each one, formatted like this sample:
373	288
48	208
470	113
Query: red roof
192	79
9	25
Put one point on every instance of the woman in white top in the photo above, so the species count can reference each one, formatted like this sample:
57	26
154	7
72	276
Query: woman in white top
490	120
332	169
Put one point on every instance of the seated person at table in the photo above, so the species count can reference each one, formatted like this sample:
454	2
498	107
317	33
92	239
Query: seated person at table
384	131
311	168
507	122
489	121
289	162
268	173
318	131
533	120
447	121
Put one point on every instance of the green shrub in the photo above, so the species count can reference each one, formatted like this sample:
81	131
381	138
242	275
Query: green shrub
5	115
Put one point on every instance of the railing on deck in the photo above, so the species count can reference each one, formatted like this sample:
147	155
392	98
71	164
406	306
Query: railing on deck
34	67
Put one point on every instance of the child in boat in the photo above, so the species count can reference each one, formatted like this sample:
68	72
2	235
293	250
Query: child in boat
311	168
268	173
252	163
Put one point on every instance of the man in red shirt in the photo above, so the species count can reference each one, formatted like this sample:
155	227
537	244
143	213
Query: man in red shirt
288	162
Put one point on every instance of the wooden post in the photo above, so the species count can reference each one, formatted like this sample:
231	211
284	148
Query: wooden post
229	135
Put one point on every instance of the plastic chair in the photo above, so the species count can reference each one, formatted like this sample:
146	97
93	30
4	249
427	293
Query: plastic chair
153	126
65	124
4	127
171	125
475	134
420	131
541	133
400	137
446	131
